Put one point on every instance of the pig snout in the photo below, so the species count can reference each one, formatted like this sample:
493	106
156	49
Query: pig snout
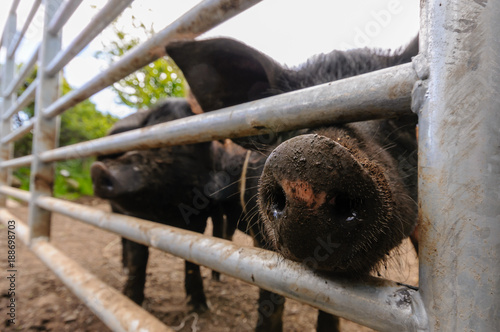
319	202
103	182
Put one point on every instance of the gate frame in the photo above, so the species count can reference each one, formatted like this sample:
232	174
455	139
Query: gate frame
459	209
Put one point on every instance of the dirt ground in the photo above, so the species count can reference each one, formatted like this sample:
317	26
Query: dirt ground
45	304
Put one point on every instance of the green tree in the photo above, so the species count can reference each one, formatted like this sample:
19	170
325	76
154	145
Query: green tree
154	82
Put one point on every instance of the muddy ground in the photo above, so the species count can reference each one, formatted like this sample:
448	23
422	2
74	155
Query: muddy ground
45	304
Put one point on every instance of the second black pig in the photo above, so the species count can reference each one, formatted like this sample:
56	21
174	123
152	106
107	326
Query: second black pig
151	184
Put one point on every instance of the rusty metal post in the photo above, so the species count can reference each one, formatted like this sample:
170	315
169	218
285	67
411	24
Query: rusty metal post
459	165
8	99
45	134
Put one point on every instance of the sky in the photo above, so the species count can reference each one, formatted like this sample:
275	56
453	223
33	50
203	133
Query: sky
290	31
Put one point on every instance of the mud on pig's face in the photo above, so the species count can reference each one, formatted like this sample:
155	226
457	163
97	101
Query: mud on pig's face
328	205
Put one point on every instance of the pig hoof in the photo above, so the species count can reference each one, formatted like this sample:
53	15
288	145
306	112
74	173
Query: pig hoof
198	306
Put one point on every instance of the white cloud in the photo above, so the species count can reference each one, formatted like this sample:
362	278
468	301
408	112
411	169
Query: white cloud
82	69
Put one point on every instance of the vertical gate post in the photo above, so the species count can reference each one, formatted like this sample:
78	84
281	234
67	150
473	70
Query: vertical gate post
45	134
459	166
7	101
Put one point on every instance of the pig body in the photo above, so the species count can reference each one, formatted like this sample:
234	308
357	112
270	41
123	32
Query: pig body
152	184
182	186
338	197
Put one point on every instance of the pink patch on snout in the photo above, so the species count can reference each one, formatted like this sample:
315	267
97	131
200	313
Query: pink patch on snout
303	191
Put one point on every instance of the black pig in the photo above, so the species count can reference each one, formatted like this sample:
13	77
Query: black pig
182	186
152	184
348	190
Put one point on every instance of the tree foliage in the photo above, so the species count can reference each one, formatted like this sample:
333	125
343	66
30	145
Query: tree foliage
143	88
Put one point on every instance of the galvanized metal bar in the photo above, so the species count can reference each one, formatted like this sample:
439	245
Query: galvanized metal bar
22	231
24	100
117	311
7	101
45	135
17	162
198	20
377	303
16	193
19	132
19	35
62	15
13	7
12	10
26	70
105	16
382	94
459	166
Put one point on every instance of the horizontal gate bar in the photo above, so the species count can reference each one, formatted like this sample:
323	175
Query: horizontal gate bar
198	20
101	20
17	162
25	71
16	193
20	35
62	15
374	302
24	100
22	230
19	132
116	311
381	94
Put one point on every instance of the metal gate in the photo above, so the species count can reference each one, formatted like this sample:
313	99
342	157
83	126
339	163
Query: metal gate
454	83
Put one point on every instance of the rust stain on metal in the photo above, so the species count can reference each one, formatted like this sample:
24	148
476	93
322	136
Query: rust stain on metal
43	183
398	90
157	52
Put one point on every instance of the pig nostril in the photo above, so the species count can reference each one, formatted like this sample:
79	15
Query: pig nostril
343	208
278	203
106	183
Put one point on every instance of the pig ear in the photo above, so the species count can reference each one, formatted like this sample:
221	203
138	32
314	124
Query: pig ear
224	72
133	121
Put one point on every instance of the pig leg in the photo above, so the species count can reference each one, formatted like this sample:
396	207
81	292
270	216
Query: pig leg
193	282
218	231
270	311
136	259
194	287
124	256
327	322
270	305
